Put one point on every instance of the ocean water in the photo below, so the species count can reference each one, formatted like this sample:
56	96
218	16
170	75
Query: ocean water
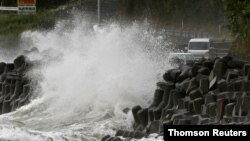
88	75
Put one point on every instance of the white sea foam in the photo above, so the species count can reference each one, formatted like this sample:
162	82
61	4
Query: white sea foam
90	74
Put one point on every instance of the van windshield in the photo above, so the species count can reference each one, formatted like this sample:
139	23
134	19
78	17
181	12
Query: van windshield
198	46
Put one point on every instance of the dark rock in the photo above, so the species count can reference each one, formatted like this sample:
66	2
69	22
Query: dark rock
210	99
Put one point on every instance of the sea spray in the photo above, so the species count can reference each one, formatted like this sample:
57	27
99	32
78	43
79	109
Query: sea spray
89	74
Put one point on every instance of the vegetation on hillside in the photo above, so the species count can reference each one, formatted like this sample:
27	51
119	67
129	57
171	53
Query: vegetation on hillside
201	11
238	15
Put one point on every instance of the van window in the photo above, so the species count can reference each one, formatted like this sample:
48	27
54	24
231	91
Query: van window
198	46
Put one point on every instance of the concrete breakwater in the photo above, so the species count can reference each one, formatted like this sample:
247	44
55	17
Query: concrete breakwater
15	86
206	92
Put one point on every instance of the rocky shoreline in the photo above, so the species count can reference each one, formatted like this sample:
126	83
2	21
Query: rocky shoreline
206	92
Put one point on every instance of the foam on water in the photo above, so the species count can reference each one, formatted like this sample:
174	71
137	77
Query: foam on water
90	74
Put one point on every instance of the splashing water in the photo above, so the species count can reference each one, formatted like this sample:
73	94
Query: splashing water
91	75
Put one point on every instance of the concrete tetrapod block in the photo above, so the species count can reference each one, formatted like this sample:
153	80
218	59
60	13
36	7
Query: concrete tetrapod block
212	109
245	68
229	110
135	110
117	139
193	84
245	105
195	94
138	135
195	120
197	104
231	64
184	74
126	134
2	67
219	69
171	75
221	103
105	138
143	117
6	107
153	127
222	85
194	71
165	85
150	115
210	99
204	86
231	76
248	75
246	86
208	64
204	71
109	139
119	133
157	98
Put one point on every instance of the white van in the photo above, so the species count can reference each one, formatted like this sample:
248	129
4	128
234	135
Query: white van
199	47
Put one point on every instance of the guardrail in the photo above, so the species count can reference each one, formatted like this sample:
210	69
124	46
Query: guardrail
2	8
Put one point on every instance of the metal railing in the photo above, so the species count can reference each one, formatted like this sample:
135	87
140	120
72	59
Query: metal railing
2	8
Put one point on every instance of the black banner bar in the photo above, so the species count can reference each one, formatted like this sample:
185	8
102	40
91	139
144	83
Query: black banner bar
175	131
